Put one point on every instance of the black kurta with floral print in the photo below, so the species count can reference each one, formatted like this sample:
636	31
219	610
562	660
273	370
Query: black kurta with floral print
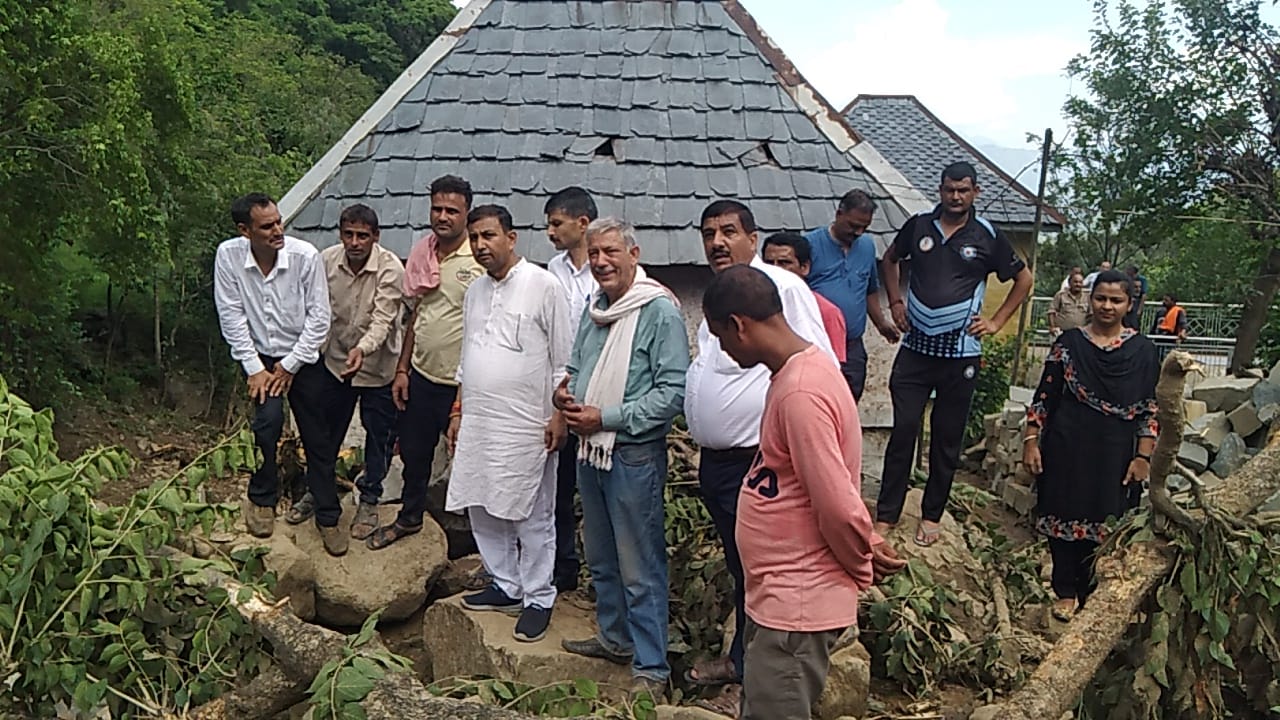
1092	405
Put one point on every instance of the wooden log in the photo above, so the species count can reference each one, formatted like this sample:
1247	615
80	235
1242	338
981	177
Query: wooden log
1127	576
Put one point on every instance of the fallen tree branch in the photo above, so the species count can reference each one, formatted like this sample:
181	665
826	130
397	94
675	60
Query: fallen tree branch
1128	575
1173	378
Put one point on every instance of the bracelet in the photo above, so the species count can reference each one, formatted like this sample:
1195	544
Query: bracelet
899	301
1142	456
401	372
1030	438
453	415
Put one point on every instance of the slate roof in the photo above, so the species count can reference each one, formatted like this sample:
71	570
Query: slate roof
655	106
920	145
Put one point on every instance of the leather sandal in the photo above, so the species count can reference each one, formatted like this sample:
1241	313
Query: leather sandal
711	673
388	534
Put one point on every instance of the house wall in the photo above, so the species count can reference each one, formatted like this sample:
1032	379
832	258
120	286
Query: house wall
997	291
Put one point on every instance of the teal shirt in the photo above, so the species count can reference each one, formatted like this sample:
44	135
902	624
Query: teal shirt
655	379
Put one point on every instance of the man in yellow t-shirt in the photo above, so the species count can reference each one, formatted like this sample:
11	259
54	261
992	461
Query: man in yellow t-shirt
424	388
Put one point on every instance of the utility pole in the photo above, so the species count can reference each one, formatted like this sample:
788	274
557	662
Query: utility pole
1020	340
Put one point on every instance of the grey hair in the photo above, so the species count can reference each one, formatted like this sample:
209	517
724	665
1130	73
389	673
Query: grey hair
603	225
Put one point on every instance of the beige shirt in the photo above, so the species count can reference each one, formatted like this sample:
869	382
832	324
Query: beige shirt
366	308
1070	311
437	332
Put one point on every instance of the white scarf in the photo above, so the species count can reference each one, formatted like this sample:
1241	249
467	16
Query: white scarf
608	382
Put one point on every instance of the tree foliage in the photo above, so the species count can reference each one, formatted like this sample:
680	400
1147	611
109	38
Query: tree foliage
1182	113
127	128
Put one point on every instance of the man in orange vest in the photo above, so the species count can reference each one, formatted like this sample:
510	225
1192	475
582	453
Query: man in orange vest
1173	321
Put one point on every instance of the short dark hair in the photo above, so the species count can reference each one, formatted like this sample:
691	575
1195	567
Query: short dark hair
359	214
795	241
1132	269
452	184
1172	297
481	212
959	171
242	207
730	207
857	200
572	201
1107	277
740	290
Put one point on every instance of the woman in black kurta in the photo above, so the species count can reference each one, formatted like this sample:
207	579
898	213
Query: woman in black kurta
1090	431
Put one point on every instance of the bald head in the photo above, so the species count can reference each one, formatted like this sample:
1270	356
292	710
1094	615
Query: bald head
740	290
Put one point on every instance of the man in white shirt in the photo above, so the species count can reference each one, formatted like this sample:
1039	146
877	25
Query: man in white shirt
724	403
516	342
569	212
273	306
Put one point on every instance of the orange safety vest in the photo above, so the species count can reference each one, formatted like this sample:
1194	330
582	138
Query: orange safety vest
1169	323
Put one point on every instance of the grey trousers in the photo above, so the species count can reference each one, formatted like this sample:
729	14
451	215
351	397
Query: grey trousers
785	672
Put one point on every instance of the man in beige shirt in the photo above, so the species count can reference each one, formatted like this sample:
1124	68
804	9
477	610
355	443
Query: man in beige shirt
1070	307
360	355
425	389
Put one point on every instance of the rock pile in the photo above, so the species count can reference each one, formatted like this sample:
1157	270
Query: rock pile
1228	419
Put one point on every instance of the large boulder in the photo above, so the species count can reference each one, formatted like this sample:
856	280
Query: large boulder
1231	456
462	642
1224	393
394	580
848	684
949	559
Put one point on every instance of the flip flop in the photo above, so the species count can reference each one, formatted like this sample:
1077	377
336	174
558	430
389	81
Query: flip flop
301	511
388	534
926	537
1063	609
727	703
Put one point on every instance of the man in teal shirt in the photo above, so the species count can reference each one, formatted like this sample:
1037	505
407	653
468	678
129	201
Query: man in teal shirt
625	384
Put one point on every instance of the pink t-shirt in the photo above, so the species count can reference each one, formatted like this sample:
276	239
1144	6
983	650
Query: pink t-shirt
833	323
804	532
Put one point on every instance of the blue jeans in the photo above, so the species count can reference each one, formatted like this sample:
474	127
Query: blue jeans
626	549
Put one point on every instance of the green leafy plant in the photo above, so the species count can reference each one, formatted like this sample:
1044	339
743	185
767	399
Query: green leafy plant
343	682
701	586
992	387
90	616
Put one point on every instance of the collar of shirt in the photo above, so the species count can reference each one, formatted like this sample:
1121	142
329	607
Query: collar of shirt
282	257
515	270
373	264
971	220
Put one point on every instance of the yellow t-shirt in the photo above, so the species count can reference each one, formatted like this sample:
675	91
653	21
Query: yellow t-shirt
437	333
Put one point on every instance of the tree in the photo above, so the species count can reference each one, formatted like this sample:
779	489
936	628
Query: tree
1183	111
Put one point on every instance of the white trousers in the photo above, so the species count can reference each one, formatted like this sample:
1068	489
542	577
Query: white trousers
521	554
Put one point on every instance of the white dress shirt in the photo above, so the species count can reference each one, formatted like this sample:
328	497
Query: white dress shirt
516	343
578	283
283	315
723	402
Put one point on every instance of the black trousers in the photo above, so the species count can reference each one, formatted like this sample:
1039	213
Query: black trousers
567	562
1073	576
720	475
913	379
378	416
854	367
424	420
307	401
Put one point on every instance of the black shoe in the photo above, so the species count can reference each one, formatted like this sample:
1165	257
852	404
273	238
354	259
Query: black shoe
491	598
593	649
532	625
566	584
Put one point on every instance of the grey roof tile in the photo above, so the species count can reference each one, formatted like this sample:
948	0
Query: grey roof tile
816	213
919	145
506	109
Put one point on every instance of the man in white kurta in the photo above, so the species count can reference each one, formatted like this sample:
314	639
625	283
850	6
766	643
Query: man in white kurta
516	342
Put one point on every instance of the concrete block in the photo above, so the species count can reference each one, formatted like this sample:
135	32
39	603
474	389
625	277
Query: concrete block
1210	429
990	423
1021	395
1193	409
1224	393
1195	457
1244	419
1019	498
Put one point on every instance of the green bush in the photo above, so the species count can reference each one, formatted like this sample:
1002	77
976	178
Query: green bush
994	379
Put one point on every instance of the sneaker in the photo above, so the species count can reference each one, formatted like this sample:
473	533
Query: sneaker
532	625
643	688
335	541
593	648
491	598
261	520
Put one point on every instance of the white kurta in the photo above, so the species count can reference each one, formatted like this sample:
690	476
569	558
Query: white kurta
516	342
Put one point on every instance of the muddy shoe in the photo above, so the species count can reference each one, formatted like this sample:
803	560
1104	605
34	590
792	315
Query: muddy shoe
260	519
646	690
593	648
365	521
335	541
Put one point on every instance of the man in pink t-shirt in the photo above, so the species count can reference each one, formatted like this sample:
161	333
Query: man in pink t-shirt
790	251
804	532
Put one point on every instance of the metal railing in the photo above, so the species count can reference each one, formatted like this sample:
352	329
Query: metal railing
1211	331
